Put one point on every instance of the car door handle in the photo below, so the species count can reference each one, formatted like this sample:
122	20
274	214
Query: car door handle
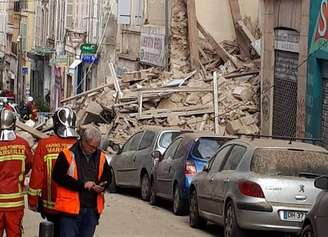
170	170
134	159
211	180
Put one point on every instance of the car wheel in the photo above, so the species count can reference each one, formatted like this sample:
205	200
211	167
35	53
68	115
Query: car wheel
152	198
195	220
145	187
231	228
113	187
179	205
307	231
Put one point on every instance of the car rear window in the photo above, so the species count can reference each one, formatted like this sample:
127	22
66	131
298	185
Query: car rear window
288	162
167	138
206	148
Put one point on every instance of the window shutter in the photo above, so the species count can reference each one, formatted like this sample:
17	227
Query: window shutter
138	12
124	12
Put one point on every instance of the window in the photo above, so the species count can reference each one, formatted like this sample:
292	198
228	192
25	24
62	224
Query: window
132	144
288	162
147	140
206	148
167	138
234	158
216	162
171	149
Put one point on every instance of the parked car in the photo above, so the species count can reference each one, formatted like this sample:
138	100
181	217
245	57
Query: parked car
315	224
132	165
258	184
172	174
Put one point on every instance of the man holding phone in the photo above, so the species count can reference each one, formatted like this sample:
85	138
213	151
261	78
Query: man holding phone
82	174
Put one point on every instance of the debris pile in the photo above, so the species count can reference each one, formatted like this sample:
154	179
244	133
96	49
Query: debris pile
181	97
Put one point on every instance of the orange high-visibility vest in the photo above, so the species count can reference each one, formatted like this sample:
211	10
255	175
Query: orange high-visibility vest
68	201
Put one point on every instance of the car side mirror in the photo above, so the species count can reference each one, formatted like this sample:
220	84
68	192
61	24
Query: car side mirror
206	168
157	155
321	183
117	148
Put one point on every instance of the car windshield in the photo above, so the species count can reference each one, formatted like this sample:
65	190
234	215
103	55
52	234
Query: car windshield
206	148
289	162
167	138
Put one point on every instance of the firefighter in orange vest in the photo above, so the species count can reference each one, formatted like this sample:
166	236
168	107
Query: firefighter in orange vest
41	192
82	175
15	162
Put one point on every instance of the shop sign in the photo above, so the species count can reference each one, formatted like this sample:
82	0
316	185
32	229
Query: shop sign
88	48
152	45
287	40
89	59
322	27
25	71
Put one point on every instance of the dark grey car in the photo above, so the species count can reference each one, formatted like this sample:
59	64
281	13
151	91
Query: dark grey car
315	224
132	165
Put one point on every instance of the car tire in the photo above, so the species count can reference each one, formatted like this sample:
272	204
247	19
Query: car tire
179	205
231	228
145	187
113	187
307	231
153	197
195	220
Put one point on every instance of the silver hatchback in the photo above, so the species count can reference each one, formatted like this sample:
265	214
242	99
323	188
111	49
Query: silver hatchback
258	184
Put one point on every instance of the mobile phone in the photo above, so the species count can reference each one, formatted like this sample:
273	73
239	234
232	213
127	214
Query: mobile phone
102	184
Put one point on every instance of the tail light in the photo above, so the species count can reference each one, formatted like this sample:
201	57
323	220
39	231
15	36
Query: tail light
251	189
190	168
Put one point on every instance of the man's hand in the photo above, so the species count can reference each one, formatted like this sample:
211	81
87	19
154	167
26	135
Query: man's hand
89	185
98	188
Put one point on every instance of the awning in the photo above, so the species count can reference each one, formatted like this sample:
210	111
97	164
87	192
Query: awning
74	65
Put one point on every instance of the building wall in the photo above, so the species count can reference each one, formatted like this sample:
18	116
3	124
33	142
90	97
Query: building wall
277	14
216	17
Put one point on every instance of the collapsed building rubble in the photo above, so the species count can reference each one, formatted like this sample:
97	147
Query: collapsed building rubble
180	97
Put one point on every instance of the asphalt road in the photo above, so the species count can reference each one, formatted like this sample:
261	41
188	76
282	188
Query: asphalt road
127	215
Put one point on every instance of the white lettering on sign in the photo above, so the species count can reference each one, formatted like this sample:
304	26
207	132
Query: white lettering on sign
322	28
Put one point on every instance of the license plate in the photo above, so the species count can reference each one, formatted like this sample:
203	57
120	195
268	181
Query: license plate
296	216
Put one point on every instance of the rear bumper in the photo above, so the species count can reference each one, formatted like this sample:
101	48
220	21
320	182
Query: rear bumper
266	217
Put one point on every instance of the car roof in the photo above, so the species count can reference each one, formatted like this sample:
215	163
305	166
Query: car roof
196	135
278	143
158	129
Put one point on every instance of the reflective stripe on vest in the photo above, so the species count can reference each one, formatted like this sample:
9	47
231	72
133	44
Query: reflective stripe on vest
11	195
11	204
48	204
20	193
48	160
68	201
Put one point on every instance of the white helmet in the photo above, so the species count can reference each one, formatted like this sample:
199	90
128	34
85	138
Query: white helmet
29	99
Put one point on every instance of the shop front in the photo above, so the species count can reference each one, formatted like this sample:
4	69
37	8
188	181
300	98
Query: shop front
317	83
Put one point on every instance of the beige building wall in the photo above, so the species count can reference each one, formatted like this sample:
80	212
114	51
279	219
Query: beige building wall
214	15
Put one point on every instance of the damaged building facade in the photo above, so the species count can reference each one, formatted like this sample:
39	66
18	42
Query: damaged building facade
142	22
284	71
